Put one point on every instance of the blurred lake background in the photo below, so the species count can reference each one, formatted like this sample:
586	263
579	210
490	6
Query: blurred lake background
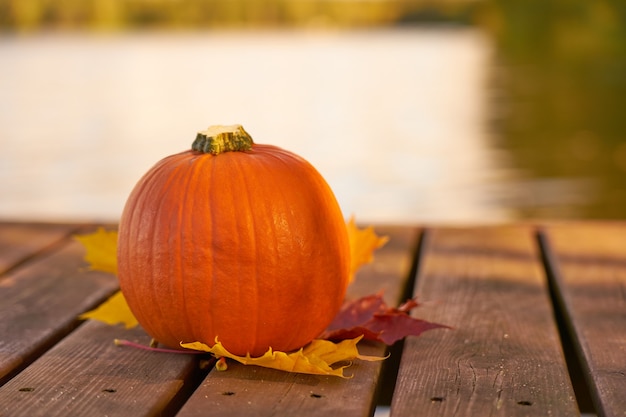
453	111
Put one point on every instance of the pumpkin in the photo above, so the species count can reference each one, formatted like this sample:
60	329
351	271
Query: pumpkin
233	241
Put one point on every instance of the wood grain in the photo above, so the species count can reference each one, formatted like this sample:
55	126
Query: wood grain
503	357
21	241
87	375
252	391
40	301
588	265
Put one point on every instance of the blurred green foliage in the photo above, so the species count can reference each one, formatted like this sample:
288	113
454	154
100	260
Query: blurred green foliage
27	15
561	71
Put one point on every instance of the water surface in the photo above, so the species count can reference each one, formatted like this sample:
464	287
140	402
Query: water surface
395	119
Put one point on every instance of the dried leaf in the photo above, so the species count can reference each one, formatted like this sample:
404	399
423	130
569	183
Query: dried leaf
318	357
113	311
101	250
370	317
363	243
101	254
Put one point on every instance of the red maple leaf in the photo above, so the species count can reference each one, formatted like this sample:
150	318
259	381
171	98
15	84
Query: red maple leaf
371	317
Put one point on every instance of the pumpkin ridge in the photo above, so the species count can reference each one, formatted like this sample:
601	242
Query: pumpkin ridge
269	172
147	186
185	222
251	224
163	197
291	217
202	205
177	177
227	194
276	256
133	232
211	275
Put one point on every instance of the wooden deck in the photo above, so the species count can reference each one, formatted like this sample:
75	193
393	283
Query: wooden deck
539	317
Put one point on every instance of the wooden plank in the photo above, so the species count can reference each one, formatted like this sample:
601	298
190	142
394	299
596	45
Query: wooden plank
504	357
252	391
41	300
588	264
20	241
86	374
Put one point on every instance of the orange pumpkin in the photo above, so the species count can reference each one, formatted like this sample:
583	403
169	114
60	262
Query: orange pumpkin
236	241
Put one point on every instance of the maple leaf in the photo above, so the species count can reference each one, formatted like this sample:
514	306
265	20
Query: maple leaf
113	311
101	250
372	318
318	357
363	243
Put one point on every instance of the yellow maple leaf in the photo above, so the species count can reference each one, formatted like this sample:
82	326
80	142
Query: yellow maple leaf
101	249
318	357
113	311
363	243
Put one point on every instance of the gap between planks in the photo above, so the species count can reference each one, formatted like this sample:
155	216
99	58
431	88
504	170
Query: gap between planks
482	280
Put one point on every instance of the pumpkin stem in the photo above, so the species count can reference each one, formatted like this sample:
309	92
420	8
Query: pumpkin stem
217	139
